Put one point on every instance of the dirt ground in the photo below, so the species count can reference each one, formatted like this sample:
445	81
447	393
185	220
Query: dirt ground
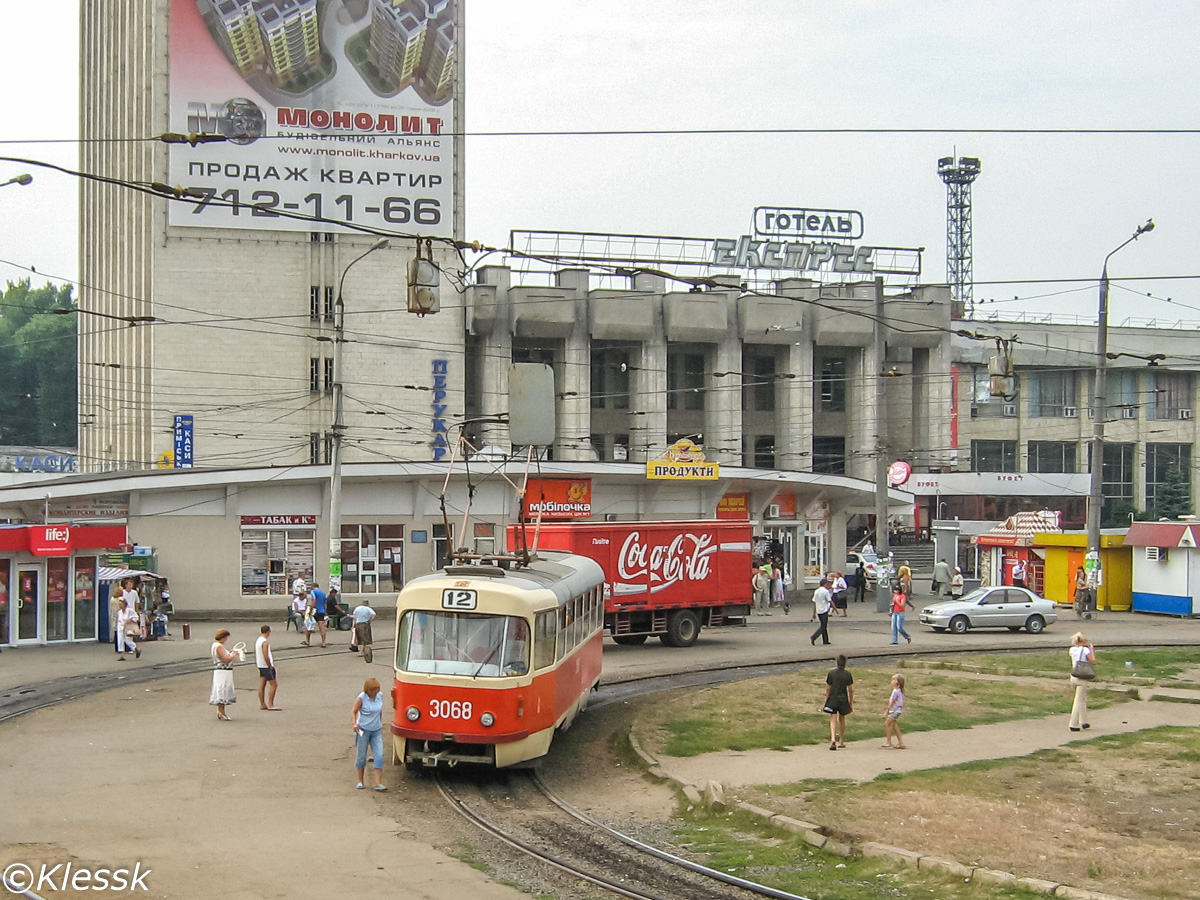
1102	810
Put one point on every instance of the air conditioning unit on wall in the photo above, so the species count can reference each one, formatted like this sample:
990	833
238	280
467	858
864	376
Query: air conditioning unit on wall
1185	414
1159	553
1010	409
773	511
1129	413
1070	412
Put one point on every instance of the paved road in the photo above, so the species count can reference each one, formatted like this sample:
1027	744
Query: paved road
264	806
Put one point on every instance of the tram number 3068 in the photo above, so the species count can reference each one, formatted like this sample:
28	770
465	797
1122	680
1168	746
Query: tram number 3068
450	709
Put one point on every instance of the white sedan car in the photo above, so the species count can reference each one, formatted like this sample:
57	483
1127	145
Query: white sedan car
991	607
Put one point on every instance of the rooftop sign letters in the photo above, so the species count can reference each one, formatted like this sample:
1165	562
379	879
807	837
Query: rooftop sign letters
790	222
749	252
683	461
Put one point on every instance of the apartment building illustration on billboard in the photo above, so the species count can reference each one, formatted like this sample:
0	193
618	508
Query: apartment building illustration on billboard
409	43
277	39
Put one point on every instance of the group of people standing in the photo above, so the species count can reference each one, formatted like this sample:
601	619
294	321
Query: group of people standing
769	583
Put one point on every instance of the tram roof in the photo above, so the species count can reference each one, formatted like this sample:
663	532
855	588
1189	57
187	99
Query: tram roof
566	575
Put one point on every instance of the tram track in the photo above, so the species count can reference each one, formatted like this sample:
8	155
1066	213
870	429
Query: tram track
521	812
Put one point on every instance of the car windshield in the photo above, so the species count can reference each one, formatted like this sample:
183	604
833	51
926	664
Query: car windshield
444	643
869	557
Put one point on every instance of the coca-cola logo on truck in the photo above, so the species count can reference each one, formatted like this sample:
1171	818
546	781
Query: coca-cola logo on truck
685	558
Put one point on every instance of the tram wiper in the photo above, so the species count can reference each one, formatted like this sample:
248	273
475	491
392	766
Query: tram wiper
475	674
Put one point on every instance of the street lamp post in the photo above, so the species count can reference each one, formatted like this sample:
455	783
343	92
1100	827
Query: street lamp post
335	475
1100	411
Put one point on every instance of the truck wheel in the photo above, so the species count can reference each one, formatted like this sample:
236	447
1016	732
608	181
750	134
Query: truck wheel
629	640
683	627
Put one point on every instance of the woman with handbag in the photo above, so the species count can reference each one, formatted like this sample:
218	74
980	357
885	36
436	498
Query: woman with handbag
222	683
1083	670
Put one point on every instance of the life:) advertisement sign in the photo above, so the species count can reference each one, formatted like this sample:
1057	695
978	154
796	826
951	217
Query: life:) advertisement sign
331	110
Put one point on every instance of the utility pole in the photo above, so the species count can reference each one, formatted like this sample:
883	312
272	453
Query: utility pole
339	427
883	595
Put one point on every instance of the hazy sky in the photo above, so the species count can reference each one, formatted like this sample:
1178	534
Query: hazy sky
1045	207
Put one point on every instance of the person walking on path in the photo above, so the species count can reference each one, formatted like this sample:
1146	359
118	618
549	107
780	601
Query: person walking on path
309	621
899	607
891	716
367	716
941	577
266	670
128	627
761	584
839	701
838	589
822	602
1081	652
319	601
363	615
222	682
860	583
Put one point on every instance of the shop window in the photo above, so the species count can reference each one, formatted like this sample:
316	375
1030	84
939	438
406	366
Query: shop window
372	558
84	612
5	580
273	559
57	582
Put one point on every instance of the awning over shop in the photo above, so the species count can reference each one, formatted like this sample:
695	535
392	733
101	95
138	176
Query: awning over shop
1019	530
114	573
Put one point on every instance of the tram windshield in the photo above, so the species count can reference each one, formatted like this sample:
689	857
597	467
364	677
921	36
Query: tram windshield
446	643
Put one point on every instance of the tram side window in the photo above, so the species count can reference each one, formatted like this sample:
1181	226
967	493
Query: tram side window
597	609
546	628
560	641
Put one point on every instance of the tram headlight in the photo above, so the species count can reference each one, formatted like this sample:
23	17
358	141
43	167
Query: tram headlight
487	720
412	714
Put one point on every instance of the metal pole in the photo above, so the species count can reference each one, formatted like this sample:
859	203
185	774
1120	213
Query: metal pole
1100	413
883	595
335	459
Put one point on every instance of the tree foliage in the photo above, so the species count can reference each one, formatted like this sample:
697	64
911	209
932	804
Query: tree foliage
1173	496
38	365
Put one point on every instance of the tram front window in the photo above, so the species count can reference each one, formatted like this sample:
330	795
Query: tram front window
445	643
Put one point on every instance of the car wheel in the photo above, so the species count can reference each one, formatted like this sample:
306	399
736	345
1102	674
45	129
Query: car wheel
1035	625
629	640
959	625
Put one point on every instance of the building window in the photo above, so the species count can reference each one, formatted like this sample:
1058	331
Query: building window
610	378
330	304
441	546
314	376
314	304
758	382
1051	456
273	559
1172	396
685	380
372	559
314	448
610	447
761	450
1122	389
1052	394
829	455
993	456
328	365
1168	479
832	385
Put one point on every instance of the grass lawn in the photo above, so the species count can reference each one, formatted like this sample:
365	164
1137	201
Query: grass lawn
785	710
1169	666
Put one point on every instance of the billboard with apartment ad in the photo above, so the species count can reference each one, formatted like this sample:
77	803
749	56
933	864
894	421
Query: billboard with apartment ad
335	112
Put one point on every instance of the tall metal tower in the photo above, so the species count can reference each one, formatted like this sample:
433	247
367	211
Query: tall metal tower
958	180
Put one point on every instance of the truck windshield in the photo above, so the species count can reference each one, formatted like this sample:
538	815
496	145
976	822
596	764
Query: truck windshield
446	643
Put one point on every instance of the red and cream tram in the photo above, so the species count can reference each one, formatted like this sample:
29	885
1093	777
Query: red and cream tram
490	661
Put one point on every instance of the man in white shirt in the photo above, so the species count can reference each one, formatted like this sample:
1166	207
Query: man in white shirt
822	602
363	616
266	669
1019	573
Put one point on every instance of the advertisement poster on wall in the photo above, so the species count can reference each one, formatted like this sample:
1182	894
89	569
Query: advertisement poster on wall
341	110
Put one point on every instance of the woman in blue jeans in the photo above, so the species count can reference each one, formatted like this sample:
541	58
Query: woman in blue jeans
368	730
899	605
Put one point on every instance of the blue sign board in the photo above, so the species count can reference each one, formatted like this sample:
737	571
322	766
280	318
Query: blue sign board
183	442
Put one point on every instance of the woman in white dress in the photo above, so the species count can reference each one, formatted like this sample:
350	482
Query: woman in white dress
222	683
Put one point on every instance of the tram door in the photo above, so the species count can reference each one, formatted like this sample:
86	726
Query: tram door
30	602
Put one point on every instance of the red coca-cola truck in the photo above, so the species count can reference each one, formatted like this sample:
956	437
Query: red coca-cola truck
668	579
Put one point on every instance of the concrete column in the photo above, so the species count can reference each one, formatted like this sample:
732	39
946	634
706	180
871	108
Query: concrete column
794	405
648	403
497	357
575	415
723	404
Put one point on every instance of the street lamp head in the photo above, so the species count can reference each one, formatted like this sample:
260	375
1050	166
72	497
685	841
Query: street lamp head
1149	226
384	243
22	179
